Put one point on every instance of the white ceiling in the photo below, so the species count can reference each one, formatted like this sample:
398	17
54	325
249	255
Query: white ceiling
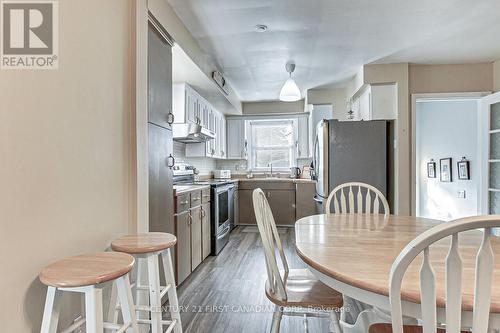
330	39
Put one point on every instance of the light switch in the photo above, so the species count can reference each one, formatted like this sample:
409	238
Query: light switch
461	194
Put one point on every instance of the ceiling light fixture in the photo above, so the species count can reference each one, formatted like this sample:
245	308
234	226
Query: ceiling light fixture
261	28
290	91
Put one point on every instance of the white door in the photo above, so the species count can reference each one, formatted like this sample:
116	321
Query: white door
490	151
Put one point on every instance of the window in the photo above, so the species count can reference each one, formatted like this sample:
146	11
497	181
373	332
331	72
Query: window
272	142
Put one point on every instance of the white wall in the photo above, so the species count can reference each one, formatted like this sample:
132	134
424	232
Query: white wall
446	129
66	151
336	97
496	75
266	107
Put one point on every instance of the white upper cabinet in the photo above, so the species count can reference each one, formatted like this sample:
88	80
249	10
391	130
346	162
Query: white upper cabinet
236	145
376	102
187	104
303	137
191	107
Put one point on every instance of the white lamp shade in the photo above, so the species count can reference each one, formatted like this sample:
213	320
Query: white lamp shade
290	91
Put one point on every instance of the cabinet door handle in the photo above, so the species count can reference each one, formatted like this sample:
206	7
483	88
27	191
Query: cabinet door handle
190	218
170	118
170	161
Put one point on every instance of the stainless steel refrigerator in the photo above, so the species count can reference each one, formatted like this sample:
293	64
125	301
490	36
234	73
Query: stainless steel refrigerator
350	151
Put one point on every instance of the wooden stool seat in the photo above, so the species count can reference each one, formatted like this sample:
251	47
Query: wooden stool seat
87	269
144	243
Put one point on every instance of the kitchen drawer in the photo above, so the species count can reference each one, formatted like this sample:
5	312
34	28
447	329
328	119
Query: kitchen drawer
182	203
205	195
195	198
267	185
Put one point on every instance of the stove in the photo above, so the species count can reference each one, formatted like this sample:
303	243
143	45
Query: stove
221	207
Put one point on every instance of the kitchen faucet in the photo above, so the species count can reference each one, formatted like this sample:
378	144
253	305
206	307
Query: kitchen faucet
271	165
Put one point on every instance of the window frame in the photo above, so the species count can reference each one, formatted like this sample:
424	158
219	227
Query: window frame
252	149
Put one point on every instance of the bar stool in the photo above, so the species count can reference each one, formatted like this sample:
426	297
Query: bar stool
150	247
88	274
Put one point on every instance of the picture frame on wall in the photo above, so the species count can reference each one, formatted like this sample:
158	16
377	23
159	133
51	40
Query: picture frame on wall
445	170
431	169
463	167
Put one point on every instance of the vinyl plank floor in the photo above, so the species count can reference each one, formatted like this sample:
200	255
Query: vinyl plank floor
226	292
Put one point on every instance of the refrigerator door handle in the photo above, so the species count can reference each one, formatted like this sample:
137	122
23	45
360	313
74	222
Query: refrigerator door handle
315	159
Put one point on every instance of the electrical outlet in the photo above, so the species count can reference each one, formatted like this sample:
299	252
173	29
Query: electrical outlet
461	194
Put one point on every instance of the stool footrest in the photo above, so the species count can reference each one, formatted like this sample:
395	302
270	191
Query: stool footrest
74	326
110	326
118	328
171	323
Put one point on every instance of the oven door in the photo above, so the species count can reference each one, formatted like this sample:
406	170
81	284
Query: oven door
222	207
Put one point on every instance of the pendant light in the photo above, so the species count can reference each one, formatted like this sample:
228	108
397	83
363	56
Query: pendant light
290	91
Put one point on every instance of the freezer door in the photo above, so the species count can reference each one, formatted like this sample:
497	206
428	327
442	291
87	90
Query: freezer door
358	153
321	160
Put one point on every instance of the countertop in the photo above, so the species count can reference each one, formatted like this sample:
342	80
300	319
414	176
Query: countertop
181	189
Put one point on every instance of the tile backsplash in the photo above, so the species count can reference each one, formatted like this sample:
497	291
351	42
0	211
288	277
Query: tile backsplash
204	164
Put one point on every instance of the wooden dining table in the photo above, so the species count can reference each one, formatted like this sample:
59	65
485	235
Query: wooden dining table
354	254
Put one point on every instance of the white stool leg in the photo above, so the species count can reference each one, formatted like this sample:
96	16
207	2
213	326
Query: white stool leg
275	326
168	270
127	303
93	310
51	311
112	316
154	293
334	322
141	296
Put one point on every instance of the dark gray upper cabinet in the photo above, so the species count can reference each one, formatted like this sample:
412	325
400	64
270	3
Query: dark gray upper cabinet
159	79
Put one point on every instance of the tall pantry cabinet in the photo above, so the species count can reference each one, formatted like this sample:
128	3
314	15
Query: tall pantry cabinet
160	119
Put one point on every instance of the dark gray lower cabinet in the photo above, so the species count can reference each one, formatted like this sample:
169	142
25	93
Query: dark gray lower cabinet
196	250
245	207
205	230
281	198
182	221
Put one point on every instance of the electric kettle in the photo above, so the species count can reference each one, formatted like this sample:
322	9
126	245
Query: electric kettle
294	172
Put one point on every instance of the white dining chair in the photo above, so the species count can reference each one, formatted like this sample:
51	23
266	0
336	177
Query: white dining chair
453	277
291	289
356	198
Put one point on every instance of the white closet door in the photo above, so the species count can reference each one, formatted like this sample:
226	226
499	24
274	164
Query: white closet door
490	145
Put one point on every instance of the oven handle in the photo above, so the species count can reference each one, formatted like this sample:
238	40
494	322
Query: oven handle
228	228
224	188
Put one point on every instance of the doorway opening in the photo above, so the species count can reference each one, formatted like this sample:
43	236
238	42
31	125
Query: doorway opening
446	131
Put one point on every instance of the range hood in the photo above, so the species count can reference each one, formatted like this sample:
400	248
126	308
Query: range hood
191	133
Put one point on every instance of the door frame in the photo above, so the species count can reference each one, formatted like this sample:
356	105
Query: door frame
414	184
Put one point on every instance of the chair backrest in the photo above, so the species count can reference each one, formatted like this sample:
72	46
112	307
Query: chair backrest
453	276
270	241
348	198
